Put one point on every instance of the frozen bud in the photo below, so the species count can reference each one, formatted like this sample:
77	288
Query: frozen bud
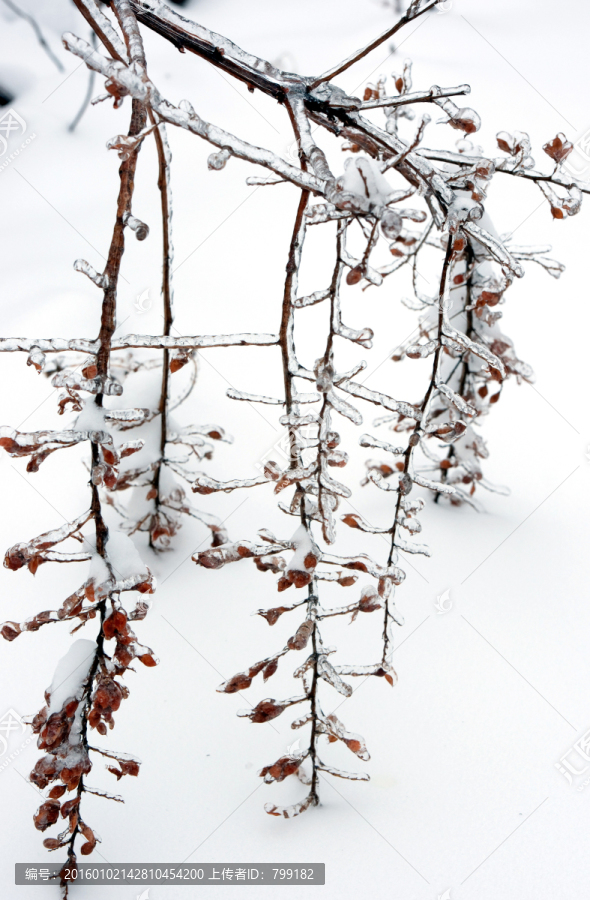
324	373
178	359
187	107
463	209
384	587
505	142
272	471
559	148
370	600
116	90
516	143
391	224
485	168
354	275
140	229
466	120
36	358
98	473
218	160
90	369
405	484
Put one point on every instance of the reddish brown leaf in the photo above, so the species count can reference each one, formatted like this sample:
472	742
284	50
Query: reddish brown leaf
177	363
270	669
299	640
10	631
559	148
147	659
265	711
52	844
58	791
272	615
281	769
351	520
239	682
46	815
116	623
69	806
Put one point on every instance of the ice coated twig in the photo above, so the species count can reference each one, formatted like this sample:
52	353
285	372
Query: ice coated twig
88	96
415	9
417	97
103	28
137	341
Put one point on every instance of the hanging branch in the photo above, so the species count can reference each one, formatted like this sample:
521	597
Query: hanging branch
316	497
85	690
158	499
361	195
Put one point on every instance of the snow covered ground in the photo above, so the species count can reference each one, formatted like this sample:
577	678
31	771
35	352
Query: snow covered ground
465	799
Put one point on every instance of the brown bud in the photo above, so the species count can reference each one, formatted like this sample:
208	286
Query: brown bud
354	275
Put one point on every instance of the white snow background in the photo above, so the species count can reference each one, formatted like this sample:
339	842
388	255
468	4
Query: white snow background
465	800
